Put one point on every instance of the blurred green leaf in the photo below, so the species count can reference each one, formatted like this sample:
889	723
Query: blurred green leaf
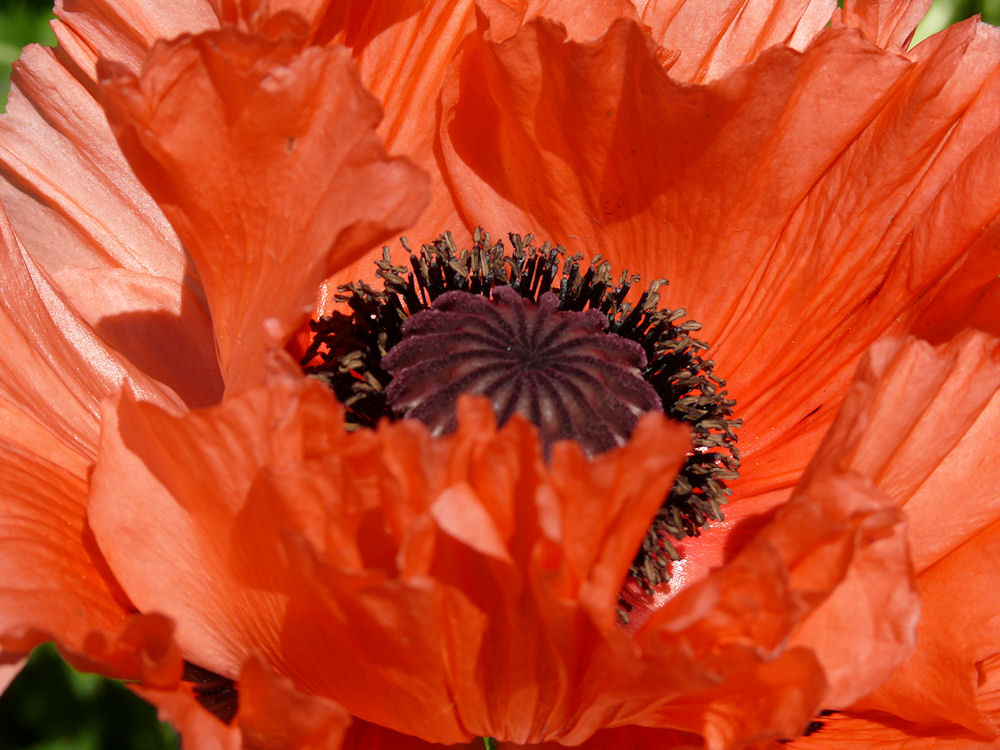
21	22
50	706
944	13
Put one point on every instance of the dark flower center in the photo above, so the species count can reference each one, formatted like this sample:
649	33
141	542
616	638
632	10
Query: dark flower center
558	369
542	337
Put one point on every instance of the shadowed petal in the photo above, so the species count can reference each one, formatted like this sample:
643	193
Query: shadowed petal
263	232
404	49
55	367
158	324
199	728
791	269
275	716
969	298
876	731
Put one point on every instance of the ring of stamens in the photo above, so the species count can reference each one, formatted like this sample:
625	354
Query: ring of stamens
349	352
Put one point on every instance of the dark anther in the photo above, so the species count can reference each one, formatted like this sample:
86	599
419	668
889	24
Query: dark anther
216	693
349	348
813	727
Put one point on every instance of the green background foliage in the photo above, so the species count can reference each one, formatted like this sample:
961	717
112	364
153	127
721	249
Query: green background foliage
52	707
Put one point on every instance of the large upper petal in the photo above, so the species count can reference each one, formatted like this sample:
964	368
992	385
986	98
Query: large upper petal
264	158
796	204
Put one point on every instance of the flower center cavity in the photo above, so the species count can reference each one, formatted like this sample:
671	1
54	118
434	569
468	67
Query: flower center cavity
543	337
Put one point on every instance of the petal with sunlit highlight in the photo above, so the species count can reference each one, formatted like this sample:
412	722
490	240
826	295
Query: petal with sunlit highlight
263	232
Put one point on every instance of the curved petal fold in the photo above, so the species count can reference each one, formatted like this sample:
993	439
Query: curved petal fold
124	31
55	367
69	192
921	422
262	232
56	585
82	216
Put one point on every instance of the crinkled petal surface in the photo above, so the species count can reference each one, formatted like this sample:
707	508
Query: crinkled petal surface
921	423
710	37
463	572
594	145
262	231
425	565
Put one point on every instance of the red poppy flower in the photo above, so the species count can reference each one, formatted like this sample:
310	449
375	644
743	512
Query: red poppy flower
806	191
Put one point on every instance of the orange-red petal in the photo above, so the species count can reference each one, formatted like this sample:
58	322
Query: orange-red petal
274	715
917	421
56	584
199	728
888	23
124	31
539	133
711	37
516	560
262	231
921	422
69	192
875	731
55	367
403	51
84	219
